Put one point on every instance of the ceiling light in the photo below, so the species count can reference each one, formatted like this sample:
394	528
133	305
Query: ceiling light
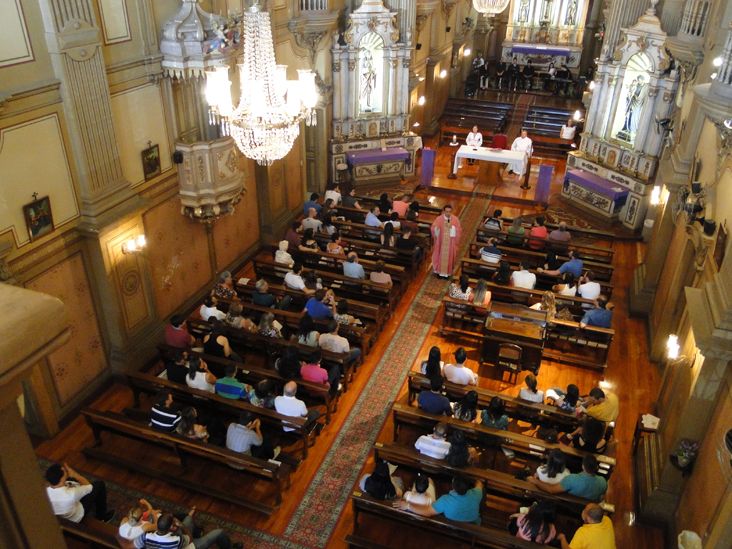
717	61
443	73
467	52
421	100
415	125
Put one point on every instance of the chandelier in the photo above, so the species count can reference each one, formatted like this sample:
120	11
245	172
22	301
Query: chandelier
490	7
266	121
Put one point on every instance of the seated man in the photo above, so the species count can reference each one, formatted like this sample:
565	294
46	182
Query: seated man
436	444
312	203
458	372
245	437
491	253
312	221
209	309
352	268
461	504
333	193
261	295
230	387
321	305
289	405
176	333
587	484
372	220
573	266
588	288
603	406
293	236
72	496
335	343
164	416
596	533
494	222
176	369
560	234
601	316
133	525
172	534
433	401
522	278
350	200
313	370
379	276
294	280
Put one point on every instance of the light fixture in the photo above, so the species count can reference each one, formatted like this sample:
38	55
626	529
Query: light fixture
267	119
443	73
421	101
605	385
592	85
134	245
421	79
672	347
727	123
467	52
713	75
717	61
577	116
415	125
490	7
656	195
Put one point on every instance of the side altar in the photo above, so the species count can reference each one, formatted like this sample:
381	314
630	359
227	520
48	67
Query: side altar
371	141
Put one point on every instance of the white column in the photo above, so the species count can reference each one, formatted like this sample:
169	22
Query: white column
722	84
694	19
623	13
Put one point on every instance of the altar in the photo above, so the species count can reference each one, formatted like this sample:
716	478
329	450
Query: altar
378	164
594	192
489	155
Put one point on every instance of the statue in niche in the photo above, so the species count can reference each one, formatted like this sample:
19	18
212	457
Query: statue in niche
633	105
547	11
523	15
368	77
571	16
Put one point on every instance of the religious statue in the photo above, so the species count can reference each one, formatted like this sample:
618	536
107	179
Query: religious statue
547	11
633	104
368	77
570	18
523	15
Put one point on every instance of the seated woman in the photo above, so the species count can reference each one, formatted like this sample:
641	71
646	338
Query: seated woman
313	370
554	468
589	436
568	286
568	130
343	317
306	332
335	246
494	223
467	408
530	392
432	367
495	415
282	256
262	395
515	233
308	242
328	227
288	364
235	319
189	426
216	343
482	296
503	274
261	295
461	290
387	236
460	453
569	401
379	276
381	484
384	204
224	288
422	491
199	376
267	326
537	525
551	261
394	221
311	280
548	304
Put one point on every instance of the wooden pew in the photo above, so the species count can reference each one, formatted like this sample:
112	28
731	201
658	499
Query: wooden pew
374	251
462	317
362	231
516	408
120	425
594	235
403	414
477	268
91	532
429	209
496	482
587	347
343	286
531	258
253	374
359	216
461	532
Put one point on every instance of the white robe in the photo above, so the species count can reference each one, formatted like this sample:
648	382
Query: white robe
521	144
474	139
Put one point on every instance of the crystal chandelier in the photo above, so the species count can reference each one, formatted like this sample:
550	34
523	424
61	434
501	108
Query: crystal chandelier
490	7
266	121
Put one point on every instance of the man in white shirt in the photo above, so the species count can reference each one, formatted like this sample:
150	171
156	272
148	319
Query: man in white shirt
588	288
523	278
132	526
434	445
335	343
312	221
72	495
245	437
521	144
334	194
289	405
459	373
209	309
294	281
475	140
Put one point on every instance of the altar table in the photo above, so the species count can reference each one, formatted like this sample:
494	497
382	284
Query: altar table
489	155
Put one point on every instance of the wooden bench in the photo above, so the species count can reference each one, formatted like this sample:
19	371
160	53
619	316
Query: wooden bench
92	532
364	232
427	208
462	317
118	424
359	216
595	235
368	249
403	414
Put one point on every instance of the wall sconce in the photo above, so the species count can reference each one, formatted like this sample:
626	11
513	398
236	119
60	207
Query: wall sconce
467	52
577	116
656	196
421	101
717	61
443	73
672	347
134	245
592	85
415	125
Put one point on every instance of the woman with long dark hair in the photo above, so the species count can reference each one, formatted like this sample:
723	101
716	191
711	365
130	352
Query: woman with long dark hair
467	408
199	376
494	416
538	524
432	367
460	454
387	236
589	436
503	274
554	469
306	332
380	484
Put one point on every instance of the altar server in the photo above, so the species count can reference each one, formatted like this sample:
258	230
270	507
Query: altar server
521	144
474	139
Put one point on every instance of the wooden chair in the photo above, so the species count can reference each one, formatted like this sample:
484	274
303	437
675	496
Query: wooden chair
509	360
500	141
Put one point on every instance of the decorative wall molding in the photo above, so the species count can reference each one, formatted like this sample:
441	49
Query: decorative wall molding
15	44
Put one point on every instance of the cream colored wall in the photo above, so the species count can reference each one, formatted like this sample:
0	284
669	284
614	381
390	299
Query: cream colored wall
22	18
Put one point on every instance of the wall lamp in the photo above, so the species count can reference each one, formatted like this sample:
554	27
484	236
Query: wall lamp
134	245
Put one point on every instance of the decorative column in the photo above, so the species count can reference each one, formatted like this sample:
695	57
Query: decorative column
623	13
694	20
722	84
407	13
671	15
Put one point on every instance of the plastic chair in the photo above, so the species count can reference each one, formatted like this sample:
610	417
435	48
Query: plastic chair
509	360
500	141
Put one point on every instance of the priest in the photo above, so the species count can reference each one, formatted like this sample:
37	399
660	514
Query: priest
446	233
521	144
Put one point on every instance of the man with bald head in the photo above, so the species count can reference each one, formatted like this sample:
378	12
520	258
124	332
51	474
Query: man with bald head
312	221
596	533
289	405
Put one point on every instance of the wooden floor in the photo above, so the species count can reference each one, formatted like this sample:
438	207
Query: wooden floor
629	374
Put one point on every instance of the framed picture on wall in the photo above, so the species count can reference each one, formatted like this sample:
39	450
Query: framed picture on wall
151	161
38	217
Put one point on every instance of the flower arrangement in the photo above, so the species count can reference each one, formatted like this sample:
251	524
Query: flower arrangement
686	452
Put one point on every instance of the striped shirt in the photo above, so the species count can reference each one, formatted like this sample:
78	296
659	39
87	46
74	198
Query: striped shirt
153	540
164	419
229	387
490	254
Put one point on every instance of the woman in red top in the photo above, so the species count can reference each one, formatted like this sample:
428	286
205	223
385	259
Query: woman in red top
313	371
538	234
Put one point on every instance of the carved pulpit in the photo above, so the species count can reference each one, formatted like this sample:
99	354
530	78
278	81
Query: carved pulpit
624	132
371	99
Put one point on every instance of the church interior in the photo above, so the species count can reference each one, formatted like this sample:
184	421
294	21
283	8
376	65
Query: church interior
376	273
